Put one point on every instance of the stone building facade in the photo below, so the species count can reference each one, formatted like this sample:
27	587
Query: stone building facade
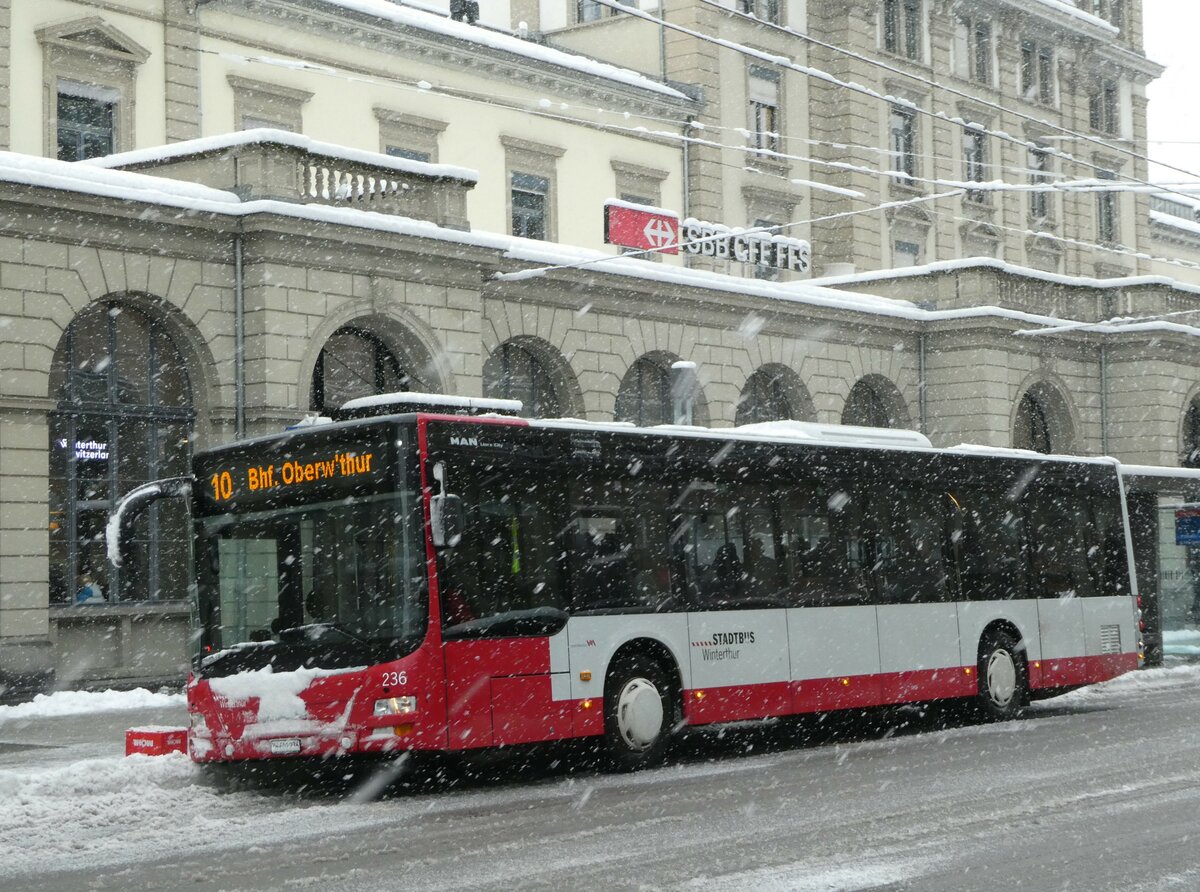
103	271
169	298
897	102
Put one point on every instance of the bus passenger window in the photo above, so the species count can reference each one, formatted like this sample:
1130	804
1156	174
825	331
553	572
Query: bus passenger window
509	558
910	565
1061	544
822	546
992	546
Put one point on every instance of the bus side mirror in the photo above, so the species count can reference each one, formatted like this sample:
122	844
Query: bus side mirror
446	520
119	528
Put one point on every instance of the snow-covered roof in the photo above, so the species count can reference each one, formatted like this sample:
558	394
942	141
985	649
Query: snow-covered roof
967	263
1162	218
1067	9
267	136
409	17
549	256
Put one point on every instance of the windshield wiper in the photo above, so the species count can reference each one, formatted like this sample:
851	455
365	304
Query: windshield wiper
314	632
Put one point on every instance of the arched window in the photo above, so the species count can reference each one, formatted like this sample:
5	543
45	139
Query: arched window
769	395
1032	428
645	394
124	417
354	363
514	373
1191	435
866	407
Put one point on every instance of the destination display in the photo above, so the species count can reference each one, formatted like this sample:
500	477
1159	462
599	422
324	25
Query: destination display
307	467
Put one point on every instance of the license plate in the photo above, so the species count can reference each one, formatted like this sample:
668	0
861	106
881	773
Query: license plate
285	746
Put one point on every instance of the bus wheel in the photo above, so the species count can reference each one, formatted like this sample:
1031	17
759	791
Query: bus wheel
636	712
1003	678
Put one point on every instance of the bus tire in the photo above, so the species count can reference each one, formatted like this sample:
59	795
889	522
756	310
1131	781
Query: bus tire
637	713
1003	677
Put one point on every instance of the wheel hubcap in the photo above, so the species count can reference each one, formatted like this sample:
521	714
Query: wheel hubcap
1001	677
639	714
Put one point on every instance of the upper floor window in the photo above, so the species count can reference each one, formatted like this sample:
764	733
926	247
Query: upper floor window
764	108
763	269
973	50
409	154
975	162
903	140
1039	175
1107	226
86	122
1037	73
1104	107
593	10
89	77
902	28
766	10
529	205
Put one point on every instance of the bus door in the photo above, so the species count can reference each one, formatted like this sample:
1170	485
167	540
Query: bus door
500	593
725	561
1061	580
919	652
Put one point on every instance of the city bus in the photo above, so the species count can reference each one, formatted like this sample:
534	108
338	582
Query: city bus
440	574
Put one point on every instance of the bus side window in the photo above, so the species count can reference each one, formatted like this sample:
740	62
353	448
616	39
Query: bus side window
993	546
509	558
616	546
823	548
1060	543
911	529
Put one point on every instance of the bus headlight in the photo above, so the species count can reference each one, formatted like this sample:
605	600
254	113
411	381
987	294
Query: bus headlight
396	706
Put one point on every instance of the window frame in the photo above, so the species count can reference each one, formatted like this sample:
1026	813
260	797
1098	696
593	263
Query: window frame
525	158
902	143
403	132
765	113
975	163
257	103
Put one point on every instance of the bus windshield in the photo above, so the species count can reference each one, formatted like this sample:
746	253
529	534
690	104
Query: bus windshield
345	573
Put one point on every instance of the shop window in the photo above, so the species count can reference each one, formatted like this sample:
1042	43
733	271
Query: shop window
124	417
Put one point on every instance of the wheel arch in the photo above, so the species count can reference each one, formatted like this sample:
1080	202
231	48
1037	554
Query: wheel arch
657	651
1007	627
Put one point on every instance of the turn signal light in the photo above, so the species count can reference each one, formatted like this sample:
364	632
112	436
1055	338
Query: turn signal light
586	704
585	675
699	695
403	730
968	670
845	682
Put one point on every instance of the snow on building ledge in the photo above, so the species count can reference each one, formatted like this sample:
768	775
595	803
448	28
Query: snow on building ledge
277	165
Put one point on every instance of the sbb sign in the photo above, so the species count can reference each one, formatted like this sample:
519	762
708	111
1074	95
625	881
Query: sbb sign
652	229
761	248
632	226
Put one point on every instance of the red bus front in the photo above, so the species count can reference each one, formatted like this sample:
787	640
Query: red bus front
314	598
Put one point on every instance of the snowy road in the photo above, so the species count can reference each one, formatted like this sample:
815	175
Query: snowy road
1099	790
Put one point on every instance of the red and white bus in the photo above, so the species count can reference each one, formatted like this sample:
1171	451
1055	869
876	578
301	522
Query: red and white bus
410	579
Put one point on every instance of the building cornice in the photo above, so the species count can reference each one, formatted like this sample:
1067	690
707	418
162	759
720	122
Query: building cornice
326	19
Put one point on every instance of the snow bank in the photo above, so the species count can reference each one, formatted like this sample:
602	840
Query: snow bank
82	702
1135	684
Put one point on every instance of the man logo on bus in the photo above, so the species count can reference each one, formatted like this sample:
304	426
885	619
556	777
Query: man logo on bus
464	441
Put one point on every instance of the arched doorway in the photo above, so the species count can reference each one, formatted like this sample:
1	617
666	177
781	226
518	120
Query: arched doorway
353	363
773	393
875	402
644	396
1043	422
124	417
1191	435
515	372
